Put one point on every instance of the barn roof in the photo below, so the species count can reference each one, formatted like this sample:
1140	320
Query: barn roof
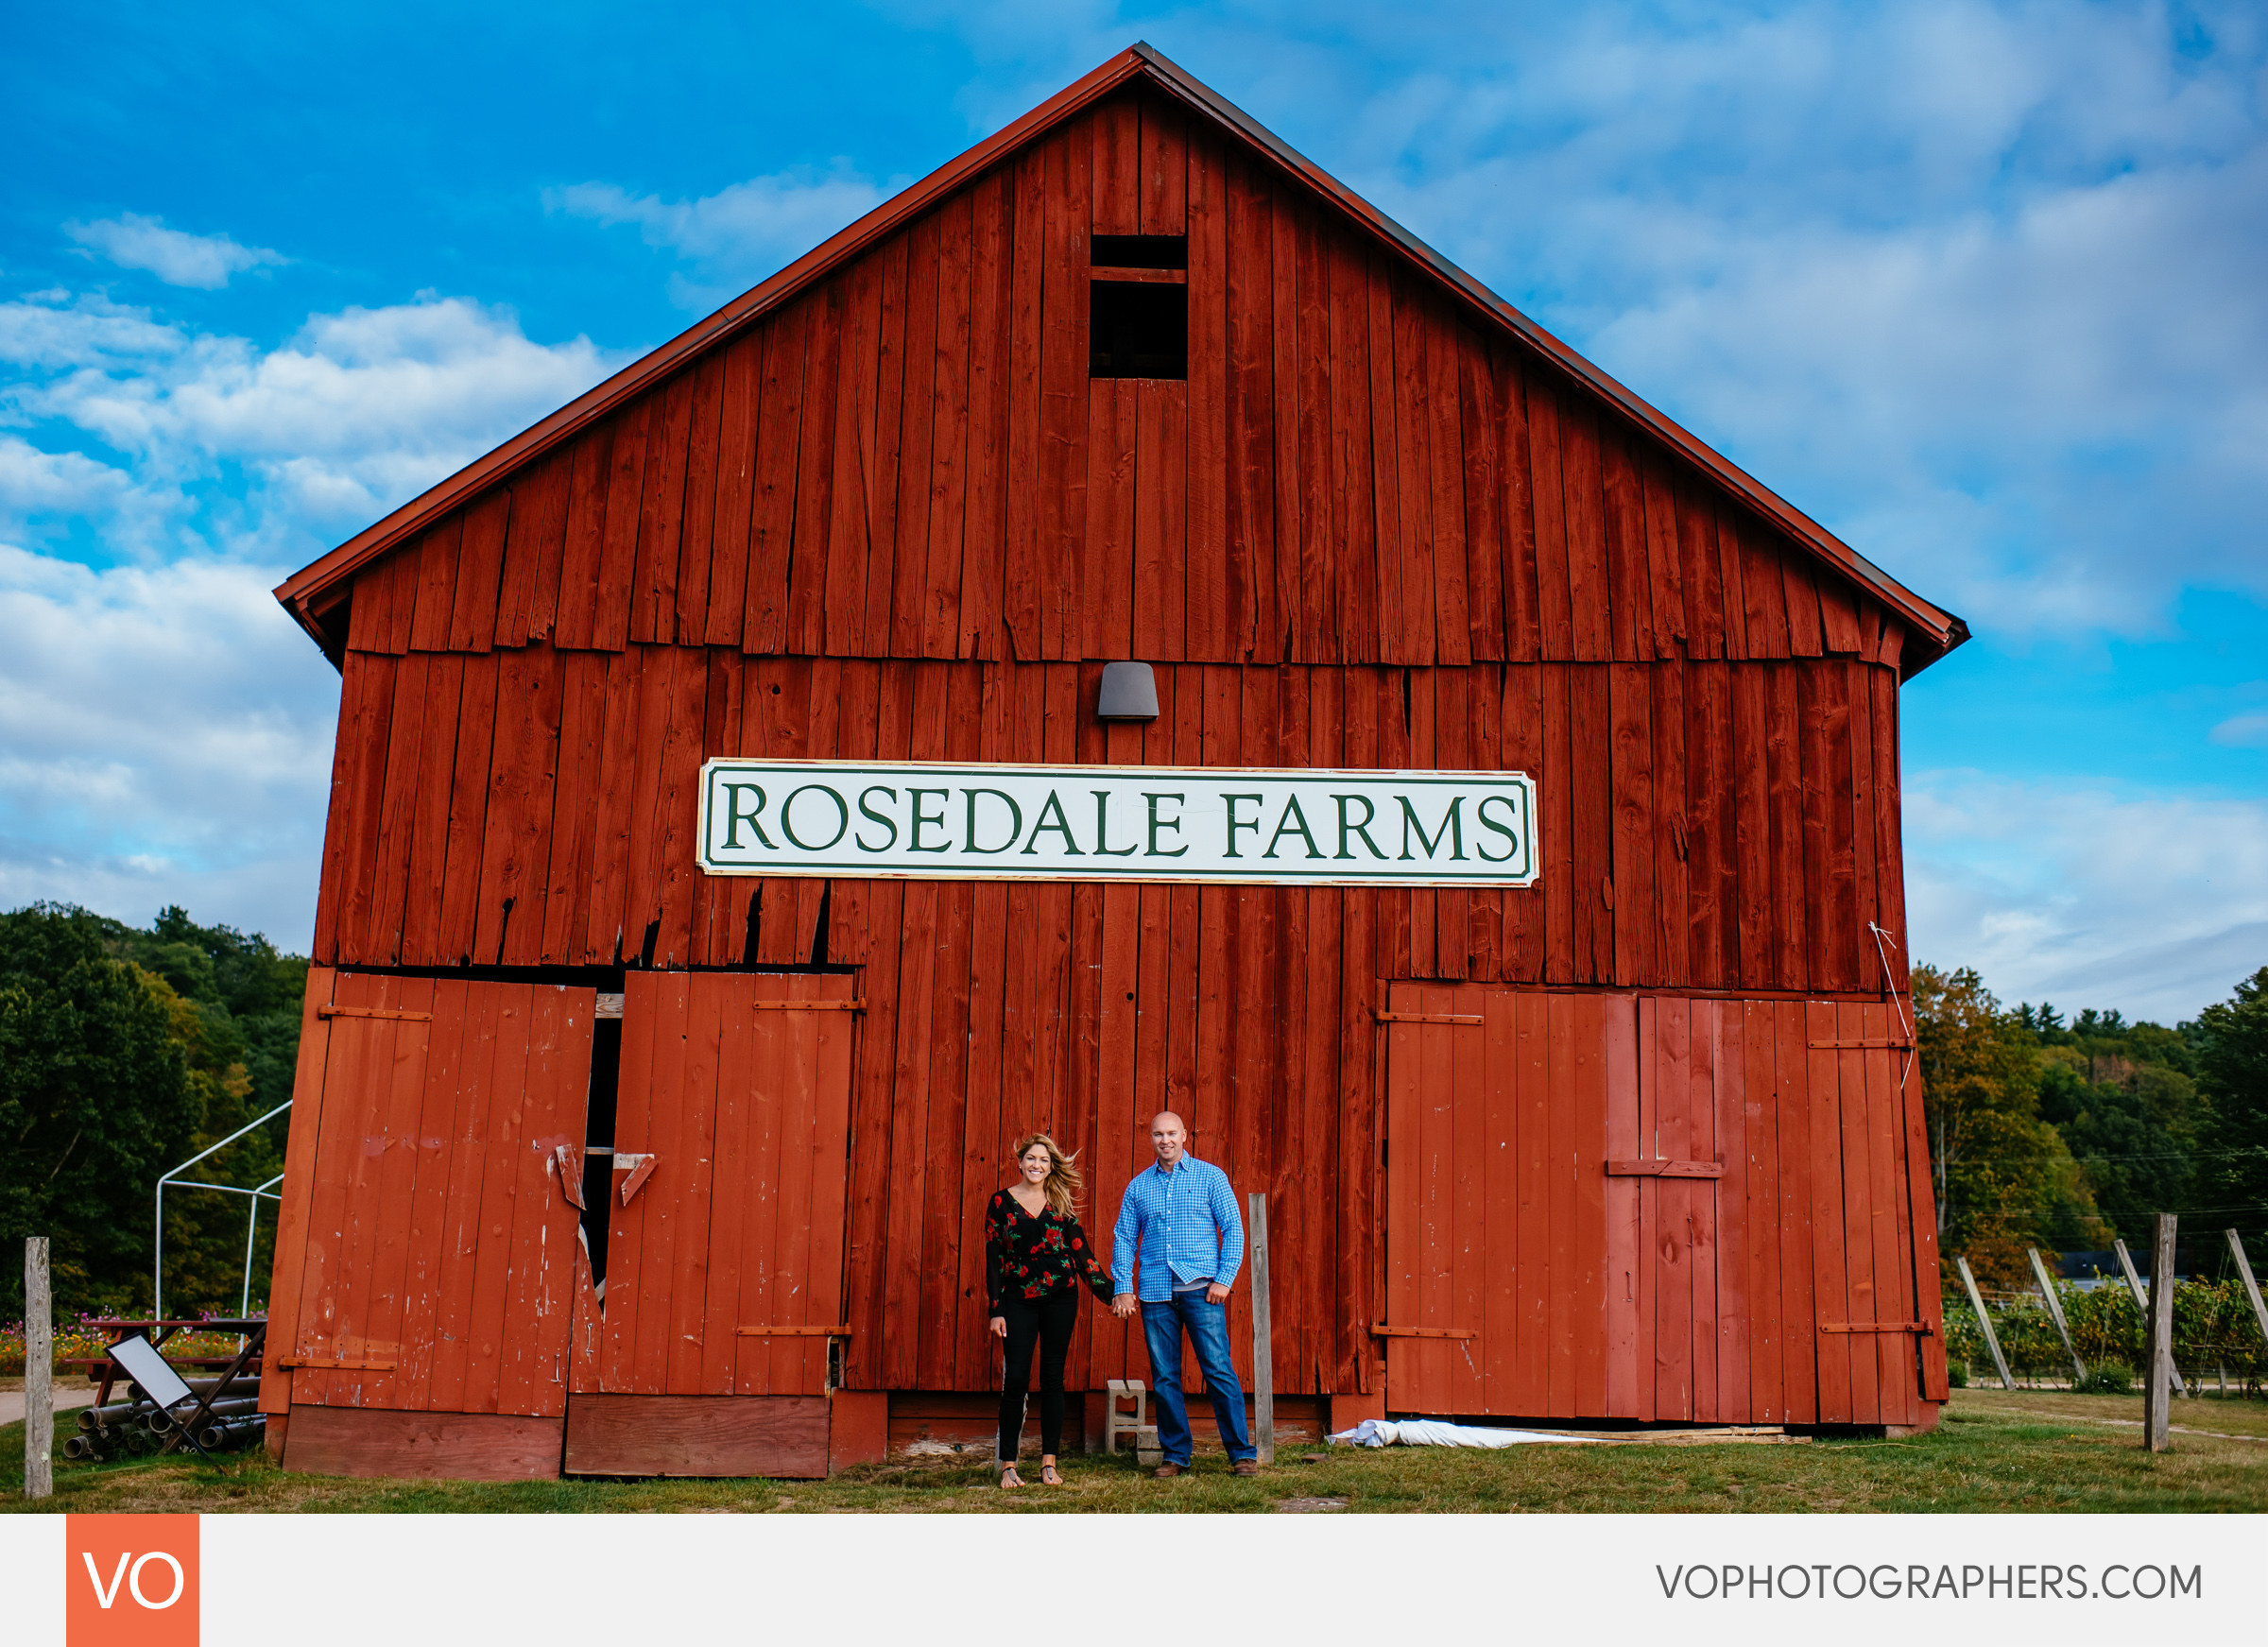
314	589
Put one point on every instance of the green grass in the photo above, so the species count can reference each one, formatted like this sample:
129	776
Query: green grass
1996	1451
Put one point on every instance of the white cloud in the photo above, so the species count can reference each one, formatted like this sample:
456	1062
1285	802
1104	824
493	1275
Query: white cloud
736	236
358	412
2152	903
2245	732
165	737
164	729
54	330
35	482
178	259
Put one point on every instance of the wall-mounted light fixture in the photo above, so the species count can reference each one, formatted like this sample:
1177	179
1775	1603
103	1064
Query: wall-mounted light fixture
1129	694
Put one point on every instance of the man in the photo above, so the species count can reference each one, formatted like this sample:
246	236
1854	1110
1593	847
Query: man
1182	1215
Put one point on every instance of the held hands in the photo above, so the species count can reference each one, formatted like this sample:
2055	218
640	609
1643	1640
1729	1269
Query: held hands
1000	1325
1125	1305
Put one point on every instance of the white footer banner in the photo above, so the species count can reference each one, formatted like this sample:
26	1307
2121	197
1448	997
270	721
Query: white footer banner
342	1580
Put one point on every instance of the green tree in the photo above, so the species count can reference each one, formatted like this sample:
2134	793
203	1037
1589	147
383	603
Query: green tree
2132	1123
2005	1179
2232	1072
171	1038
95	1100
247	991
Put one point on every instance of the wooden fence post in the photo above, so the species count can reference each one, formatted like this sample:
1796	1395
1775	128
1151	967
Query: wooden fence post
2158	1389
2142	1308
2252	1288
2063	1330
39	1372
1263	1352
1976	1302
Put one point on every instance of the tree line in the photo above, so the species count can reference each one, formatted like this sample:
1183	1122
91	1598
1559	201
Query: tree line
124	1050
2069	1134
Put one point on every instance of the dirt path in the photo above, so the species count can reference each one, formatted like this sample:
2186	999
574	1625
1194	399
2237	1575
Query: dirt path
66	1399
2123	1423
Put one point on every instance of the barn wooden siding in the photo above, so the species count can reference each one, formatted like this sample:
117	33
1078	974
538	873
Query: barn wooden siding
536	807
909	461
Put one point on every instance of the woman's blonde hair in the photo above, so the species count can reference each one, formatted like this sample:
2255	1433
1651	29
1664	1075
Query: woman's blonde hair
1063	1183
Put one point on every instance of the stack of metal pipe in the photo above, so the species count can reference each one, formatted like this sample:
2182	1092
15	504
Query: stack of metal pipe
138	1426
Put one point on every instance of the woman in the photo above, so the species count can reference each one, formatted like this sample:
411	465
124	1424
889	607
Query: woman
1036	1256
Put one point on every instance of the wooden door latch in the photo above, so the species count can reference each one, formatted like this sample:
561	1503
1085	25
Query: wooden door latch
1649	1169
1379	1329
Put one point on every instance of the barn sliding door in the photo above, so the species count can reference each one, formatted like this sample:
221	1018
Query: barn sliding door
1656	1208
1687	1170
1510	1254
425	1254
1792	1277
725	1266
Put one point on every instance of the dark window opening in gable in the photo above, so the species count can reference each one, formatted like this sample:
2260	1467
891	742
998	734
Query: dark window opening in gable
1138	313
1138	329
1139	251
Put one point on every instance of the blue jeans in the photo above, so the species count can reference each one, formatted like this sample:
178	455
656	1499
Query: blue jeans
1208	1325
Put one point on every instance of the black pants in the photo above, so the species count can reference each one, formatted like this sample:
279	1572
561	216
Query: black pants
1046	1322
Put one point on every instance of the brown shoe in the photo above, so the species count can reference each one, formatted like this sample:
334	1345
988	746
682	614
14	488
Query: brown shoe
1167	1471
1247	1468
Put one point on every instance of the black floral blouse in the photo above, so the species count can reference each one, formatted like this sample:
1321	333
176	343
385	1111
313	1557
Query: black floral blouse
1029	1258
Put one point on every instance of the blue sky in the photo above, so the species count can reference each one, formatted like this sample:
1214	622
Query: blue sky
1978	286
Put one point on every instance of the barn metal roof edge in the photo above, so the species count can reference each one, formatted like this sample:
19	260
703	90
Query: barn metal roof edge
301	593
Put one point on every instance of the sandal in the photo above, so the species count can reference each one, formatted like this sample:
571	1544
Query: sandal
1008	1478
1048	1478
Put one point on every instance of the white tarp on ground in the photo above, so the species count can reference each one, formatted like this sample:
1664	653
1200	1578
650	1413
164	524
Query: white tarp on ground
1431	1432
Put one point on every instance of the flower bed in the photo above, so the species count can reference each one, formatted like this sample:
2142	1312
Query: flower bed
84	1338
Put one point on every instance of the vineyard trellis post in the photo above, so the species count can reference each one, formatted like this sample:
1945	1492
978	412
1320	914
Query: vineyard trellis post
2063	1330
2252	1288
2142	1306
1976	1302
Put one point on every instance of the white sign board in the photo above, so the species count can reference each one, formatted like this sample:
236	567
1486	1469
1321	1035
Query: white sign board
994	822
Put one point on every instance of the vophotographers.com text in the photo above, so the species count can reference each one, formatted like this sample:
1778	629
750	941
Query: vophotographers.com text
1887	1580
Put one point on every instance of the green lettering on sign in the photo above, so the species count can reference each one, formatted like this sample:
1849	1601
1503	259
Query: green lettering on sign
920	818
1157	823
1101	828
734	817
1452	828
1480	811
1292	822
888	823
1361	829
969	842
1052	808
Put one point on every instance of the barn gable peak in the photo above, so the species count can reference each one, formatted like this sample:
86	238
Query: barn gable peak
317	595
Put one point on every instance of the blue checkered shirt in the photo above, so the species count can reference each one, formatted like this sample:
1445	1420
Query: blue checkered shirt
1186	1225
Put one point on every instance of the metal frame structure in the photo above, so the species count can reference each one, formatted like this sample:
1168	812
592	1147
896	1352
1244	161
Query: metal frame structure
157	1295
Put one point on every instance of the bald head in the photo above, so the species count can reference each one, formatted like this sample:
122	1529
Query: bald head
1168	1137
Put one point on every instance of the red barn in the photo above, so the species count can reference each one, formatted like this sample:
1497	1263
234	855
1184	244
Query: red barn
618	1153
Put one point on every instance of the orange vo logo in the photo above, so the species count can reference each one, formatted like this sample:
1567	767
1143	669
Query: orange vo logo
130	1579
